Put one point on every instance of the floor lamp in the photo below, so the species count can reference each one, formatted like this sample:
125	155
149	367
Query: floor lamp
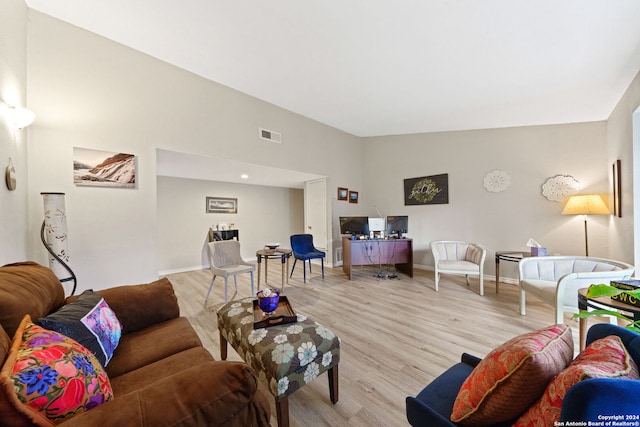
585	204
53	234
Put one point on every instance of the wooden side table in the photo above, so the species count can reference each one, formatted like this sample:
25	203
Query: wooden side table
283	254
602	303
512	256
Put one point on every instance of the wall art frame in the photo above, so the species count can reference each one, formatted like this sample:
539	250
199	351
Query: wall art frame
427	190
353	197
343	193
221	205
98	168
617	188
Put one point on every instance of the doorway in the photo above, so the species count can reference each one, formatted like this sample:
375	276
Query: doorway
315	211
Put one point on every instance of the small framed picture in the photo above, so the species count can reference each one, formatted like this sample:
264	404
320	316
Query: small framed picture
342	193
353	197
221	205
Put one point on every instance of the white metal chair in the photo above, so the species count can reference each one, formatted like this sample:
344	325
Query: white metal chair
457	257
556	279
225	260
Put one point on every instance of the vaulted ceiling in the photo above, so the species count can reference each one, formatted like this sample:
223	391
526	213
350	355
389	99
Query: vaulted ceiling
379	67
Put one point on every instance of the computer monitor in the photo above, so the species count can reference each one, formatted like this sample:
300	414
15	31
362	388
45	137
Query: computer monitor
376	225
356	225
398	224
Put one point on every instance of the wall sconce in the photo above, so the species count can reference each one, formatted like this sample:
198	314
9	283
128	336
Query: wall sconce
18	116
585	204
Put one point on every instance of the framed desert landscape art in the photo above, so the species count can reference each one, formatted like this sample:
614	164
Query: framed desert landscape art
97	168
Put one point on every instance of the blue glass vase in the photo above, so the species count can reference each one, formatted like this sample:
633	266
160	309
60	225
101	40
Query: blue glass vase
269	303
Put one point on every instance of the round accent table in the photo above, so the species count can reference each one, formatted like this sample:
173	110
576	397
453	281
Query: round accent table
512	256
266	254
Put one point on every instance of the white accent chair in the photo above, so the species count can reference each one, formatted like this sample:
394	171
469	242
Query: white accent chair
556	279
457	257
225	260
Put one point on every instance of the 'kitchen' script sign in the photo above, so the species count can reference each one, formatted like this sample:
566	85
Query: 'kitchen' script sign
427	190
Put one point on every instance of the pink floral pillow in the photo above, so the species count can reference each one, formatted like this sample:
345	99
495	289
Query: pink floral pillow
56	376
512	377
603	358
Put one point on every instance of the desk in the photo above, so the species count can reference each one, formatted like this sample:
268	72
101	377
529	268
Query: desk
283	254
513	256
377	252
602	303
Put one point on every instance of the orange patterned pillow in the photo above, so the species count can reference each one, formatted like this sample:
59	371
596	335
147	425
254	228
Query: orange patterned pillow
604	358
513	376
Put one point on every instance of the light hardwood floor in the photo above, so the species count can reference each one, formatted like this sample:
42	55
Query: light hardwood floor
396	334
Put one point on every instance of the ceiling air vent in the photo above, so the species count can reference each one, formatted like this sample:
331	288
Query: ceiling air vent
269	135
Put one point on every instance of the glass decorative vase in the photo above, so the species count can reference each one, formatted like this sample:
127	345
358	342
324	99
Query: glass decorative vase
268	300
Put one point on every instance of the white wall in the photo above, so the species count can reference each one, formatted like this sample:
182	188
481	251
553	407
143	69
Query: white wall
94	93
499	221
90	92
265	214
13	84
620	146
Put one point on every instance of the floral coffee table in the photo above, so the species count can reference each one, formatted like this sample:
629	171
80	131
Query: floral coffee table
286	357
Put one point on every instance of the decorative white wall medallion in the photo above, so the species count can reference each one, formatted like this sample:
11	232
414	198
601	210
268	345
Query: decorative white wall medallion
560	187
496	181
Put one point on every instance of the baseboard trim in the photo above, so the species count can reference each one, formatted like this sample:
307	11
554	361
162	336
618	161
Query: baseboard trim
183	270
503	280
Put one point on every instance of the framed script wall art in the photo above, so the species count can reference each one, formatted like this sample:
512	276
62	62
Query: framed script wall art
427	190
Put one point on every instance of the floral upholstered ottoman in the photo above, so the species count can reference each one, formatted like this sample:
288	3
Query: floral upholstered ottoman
286	357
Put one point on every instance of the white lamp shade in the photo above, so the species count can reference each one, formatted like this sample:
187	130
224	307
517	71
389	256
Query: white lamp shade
18	116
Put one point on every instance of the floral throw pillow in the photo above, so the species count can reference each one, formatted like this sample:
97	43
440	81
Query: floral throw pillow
57	376
603	358
512	377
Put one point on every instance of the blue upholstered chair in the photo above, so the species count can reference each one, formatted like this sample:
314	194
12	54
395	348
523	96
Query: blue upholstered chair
590	399
586	401
303	249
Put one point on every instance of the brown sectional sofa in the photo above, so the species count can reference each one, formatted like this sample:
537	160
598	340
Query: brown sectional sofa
160	373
